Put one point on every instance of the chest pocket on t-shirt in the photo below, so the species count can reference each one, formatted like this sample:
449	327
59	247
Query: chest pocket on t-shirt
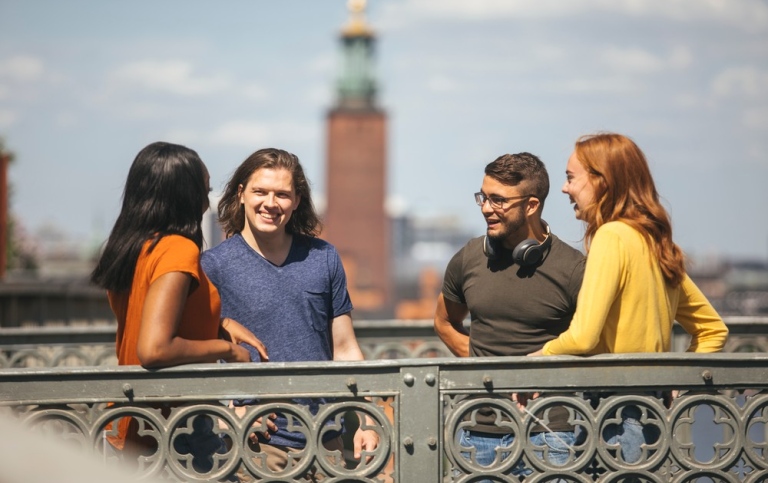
317	308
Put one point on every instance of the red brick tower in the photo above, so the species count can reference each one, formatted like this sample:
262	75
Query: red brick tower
355	219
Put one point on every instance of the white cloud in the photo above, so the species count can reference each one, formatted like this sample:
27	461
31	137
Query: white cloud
291	132
323	64
746	82
443	84
22	68
679	58
688	100
255	92
756	153
173	76
7	118
616	85
241	133
631	60
246	133
635	60
756	118
143	110
320	94
749	14
66	119
181	136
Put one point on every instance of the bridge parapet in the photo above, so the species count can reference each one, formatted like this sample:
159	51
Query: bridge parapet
379	339
716	429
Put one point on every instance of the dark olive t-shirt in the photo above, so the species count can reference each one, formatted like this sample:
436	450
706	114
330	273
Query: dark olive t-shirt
515	310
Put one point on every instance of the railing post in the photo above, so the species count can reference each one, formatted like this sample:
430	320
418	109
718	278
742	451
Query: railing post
420	431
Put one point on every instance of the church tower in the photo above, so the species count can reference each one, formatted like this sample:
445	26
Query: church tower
355	220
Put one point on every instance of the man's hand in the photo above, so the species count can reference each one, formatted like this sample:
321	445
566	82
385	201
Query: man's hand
522	398
537	353
271	427
449	326
365	439
266	433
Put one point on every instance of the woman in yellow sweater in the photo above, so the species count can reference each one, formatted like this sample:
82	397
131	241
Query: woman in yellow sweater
635	284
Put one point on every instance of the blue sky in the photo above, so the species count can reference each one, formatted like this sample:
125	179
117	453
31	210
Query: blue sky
85	84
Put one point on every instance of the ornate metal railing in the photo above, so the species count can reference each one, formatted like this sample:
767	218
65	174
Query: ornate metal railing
95	345
379	339
716	430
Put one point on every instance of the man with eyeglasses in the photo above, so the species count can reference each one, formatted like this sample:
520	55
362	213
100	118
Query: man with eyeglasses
518	284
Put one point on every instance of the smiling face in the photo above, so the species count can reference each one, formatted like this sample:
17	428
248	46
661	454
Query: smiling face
578	186
504	224
269	200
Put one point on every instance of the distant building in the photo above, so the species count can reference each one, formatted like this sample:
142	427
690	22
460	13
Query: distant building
733	287
5	159
212	231
422	248
355	220
62	257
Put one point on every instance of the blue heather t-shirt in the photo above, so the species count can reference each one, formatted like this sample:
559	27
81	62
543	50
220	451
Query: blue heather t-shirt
289	307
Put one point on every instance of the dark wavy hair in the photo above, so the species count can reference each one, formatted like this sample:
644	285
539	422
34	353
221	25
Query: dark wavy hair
165	194
515	169
304	221
624	190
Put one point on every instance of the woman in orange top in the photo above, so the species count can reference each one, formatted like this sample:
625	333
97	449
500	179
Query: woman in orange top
167	311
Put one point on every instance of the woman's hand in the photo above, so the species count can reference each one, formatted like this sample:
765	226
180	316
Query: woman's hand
237	333
238	354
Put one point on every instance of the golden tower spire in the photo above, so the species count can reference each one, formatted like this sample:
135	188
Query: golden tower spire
357	26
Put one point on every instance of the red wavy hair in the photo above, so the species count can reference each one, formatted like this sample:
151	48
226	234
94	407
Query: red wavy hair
624	191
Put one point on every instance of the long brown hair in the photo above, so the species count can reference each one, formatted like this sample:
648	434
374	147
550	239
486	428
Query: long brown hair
624	191
304	221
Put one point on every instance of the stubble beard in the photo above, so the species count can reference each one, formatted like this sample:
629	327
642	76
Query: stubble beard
508	227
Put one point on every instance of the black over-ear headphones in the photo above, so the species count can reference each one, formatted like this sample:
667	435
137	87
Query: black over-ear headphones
528	252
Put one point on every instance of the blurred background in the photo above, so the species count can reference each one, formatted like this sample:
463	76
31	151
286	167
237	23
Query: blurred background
438	87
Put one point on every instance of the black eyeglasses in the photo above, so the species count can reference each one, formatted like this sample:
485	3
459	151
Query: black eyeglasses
497	202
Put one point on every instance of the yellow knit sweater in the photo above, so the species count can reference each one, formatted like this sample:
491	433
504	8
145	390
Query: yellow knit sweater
625	305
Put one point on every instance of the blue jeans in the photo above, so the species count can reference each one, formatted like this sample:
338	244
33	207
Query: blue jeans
631	434
559	444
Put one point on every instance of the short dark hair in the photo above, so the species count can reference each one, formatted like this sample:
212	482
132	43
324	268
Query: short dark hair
515	169
304	221
164	194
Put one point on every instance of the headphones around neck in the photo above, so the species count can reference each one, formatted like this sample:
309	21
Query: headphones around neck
527	253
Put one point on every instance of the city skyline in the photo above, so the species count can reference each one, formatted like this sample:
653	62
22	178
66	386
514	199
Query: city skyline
84	85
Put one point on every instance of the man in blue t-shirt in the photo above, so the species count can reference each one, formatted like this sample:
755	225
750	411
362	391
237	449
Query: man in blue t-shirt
283	283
